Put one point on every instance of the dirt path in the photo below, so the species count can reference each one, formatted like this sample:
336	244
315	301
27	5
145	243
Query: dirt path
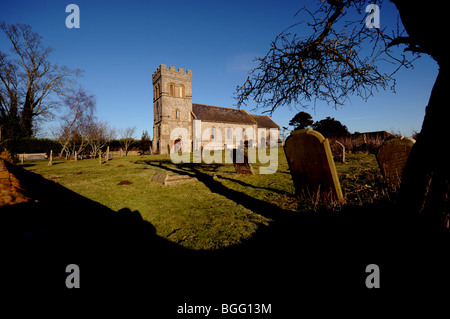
11	192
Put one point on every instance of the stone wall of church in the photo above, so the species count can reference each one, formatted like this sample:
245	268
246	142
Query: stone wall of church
227	135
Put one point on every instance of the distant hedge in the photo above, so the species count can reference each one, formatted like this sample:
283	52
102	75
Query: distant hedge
44	145
33	145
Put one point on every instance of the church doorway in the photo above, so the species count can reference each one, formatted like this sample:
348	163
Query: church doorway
177	145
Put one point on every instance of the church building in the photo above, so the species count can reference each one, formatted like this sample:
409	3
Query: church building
214	126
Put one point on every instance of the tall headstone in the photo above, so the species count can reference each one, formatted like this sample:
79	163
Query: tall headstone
240	162
338	151
311	164
107	153
392	156
50	162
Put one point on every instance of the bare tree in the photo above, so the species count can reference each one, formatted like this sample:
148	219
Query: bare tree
335	59
126	137
29	78
98	134
81	106
9	99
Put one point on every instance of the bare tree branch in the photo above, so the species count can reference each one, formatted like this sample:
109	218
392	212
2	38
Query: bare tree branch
330	64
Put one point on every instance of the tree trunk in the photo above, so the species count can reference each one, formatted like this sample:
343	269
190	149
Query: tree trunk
27	116
425	187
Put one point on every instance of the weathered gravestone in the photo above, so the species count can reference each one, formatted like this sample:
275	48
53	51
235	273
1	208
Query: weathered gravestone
160	177
392	156
240	162
338	151
311	164
164	178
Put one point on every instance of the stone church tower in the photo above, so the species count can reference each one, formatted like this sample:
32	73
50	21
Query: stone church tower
214	127
172	105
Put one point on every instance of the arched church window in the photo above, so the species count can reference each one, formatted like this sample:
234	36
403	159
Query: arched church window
171	89
177	114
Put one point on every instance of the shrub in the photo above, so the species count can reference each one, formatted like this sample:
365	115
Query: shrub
33	145
7	156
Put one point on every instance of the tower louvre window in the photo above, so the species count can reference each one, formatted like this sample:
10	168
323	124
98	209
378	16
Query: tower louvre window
181	91
172	89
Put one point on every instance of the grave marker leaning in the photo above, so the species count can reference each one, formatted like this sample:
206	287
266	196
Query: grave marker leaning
311	164
338	151
392	156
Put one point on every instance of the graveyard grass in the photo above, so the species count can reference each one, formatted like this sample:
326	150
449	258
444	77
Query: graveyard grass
191	213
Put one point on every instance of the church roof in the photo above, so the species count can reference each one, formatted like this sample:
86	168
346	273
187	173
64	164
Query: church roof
264	121
221	114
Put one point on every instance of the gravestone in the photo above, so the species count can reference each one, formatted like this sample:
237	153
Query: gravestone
392	156
240	162
160	177
311	164
338	151
50	162
164	178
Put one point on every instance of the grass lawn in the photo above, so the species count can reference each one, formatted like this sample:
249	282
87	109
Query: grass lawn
220	209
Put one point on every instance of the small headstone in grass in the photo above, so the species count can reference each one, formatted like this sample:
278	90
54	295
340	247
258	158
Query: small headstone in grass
392	156
311	164
240	162
160	177
164	178
338	151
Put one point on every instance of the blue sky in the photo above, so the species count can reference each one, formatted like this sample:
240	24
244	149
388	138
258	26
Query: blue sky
121	43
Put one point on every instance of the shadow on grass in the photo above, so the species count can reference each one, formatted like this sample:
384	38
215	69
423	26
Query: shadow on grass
270	189
287	260
327	242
